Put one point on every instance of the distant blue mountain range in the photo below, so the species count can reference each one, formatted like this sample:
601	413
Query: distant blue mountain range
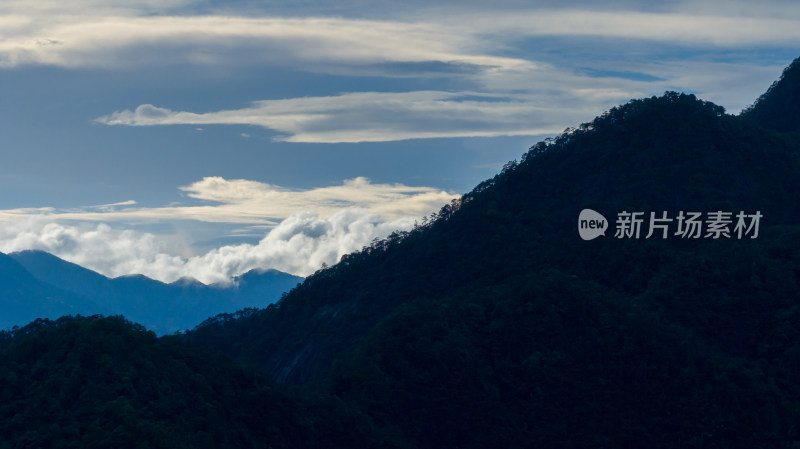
36	284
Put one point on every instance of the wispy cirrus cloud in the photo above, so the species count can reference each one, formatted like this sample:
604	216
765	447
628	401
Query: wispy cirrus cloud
720	28
380	116
536	100
512	92
112	38
241	201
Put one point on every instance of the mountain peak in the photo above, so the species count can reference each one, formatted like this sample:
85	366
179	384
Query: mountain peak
187	281
670	107
779	107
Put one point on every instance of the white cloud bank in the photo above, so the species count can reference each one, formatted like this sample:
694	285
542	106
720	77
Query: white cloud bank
306	228
299	245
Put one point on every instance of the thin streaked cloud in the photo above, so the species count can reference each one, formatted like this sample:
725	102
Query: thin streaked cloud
112	39
241	201
380	117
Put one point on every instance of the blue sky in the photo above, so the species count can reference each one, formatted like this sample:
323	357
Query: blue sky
205	138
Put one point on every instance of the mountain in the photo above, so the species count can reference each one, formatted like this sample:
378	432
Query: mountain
778	108
250	289
105	382
493	324
671	153
24	298
162	307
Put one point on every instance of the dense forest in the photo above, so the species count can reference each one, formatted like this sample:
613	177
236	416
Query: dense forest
491	324
105	382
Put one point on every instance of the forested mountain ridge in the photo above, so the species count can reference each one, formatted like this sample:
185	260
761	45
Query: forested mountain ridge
668	153
105	382
493	324
778	108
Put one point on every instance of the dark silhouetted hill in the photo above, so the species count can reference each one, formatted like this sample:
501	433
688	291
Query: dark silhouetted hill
495	325
668	153
778	108
105	382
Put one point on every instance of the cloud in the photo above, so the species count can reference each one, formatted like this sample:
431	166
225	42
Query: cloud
112	36
509	91
300	244
381	116
109	251
301	229
113	41
256	203
388	200
719	28
427	42
113	206
534	100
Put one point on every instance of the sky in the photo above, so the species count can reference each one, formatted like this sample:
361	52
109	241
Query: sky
205	138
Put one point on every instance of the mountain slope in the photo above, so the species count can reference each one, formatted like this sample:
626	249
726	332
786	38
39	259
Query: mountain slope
104	382
669	154
497	326
778	108
53	270
24	298
162	307
252	288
